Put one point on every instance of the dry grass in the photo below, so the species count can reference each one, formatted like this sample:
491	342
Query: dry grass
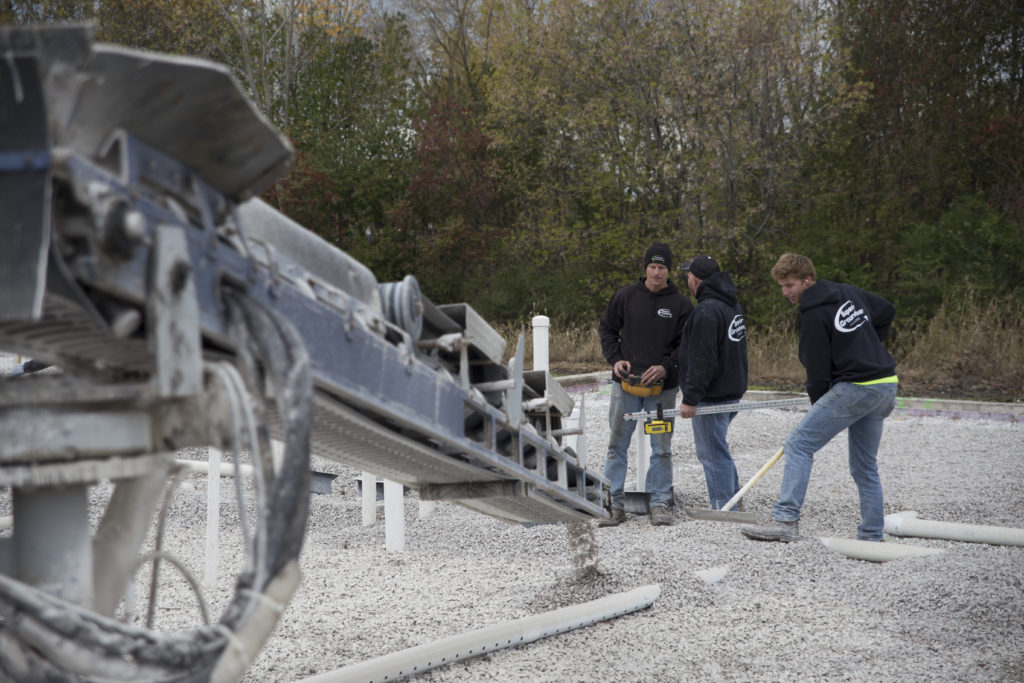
772	353
979	346
772	357
967	350
572	348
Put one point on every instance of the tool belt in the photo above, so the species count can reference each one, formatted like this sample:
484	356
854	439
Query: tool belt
633	385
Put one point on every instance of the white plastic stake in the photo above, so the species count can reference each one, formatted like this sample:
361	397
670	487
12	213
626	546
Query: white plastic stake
369	499
541	326
213	517
394	516
581	439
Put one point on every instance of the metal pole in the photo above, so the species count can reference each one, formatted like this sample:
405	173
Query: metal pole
722	408
52	545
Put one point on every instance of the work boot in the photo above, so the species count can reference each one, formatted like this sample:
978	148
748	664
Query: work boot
660	516
618	517
773	530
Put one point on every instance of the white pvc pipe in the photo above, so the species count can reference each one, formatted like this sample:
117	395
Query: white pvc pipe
6	522
541	326
394	516
369	499
581	440
876	552
712	575
213	516
226	469
422	658
907	524
574	428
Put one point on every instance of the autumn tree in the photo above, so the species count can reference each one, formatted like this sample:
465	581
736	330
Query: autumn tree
626	121
353	129
188	27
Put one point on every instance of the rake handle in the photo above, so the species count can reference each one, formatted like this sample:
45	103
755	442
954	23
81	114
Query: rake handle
753	480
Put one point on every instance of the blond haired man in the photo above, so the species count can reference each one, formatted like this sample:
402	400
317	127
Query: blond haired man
851	381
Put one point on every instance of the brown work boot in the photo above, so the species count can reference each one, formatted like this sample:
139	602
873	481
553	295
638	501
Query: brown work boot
660	516
617	518
773	530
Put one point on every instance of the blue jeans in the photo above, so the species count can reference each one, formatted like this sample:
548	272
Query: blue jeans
709	433
861	410
659	474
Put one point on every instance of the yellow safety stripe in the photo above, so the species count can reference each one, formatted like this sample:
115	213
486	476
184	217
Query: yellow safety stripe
892	379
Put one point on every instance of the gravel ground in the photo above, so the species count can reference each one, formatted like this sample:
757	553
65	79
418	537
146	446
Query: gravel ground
781	612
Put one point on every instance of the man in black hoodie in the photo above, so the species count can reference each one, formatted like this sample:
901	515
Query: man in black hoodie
640	332
712	371
851	381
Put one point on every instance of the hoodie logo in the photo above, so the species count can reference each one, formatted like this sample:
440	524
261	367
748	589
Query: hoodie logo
737	329
849	317
664	313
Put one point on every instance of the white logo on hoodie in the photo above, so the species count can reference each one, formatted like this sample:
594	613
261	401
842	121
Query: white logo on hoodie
664	313
849	317
737	329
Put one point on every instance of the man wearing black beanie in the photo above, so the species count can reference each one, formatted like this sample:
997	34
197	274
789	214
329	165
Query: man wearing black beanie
640	332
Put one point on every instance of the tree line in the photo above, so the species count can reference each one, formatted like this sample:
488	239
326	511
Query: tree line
520	155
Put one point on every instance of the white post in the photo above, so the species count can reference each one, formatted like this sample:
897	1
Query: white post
394	516
369	499
277	453
541	324
643	456
213	517
578	442
581	438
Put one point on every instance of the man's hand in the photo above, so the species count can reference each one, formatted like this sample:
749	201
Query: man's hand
621	369
653	374
687	411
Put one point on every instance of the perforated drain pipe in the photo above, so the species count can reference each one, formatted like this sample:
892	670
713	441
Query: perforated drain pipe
907	524
876	552
416	660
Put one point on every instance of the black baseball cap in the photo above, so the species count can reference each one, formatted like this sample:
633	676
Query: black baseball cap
701	266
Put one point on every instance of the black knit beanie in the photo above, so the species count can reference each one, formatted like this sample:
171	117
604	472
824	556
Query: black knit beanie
658	253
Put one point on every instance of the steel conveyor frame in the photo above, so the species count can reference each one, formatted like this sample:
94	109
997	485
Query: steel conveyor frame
181	311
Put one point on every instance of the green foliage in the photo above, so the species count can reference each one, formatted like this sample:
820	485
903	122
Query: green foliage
522	155
351	125
190	27
969	247
45	11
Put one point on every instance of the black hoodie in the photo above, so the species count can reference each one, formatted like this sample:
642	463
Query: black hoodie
644	327
713	353
842	328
